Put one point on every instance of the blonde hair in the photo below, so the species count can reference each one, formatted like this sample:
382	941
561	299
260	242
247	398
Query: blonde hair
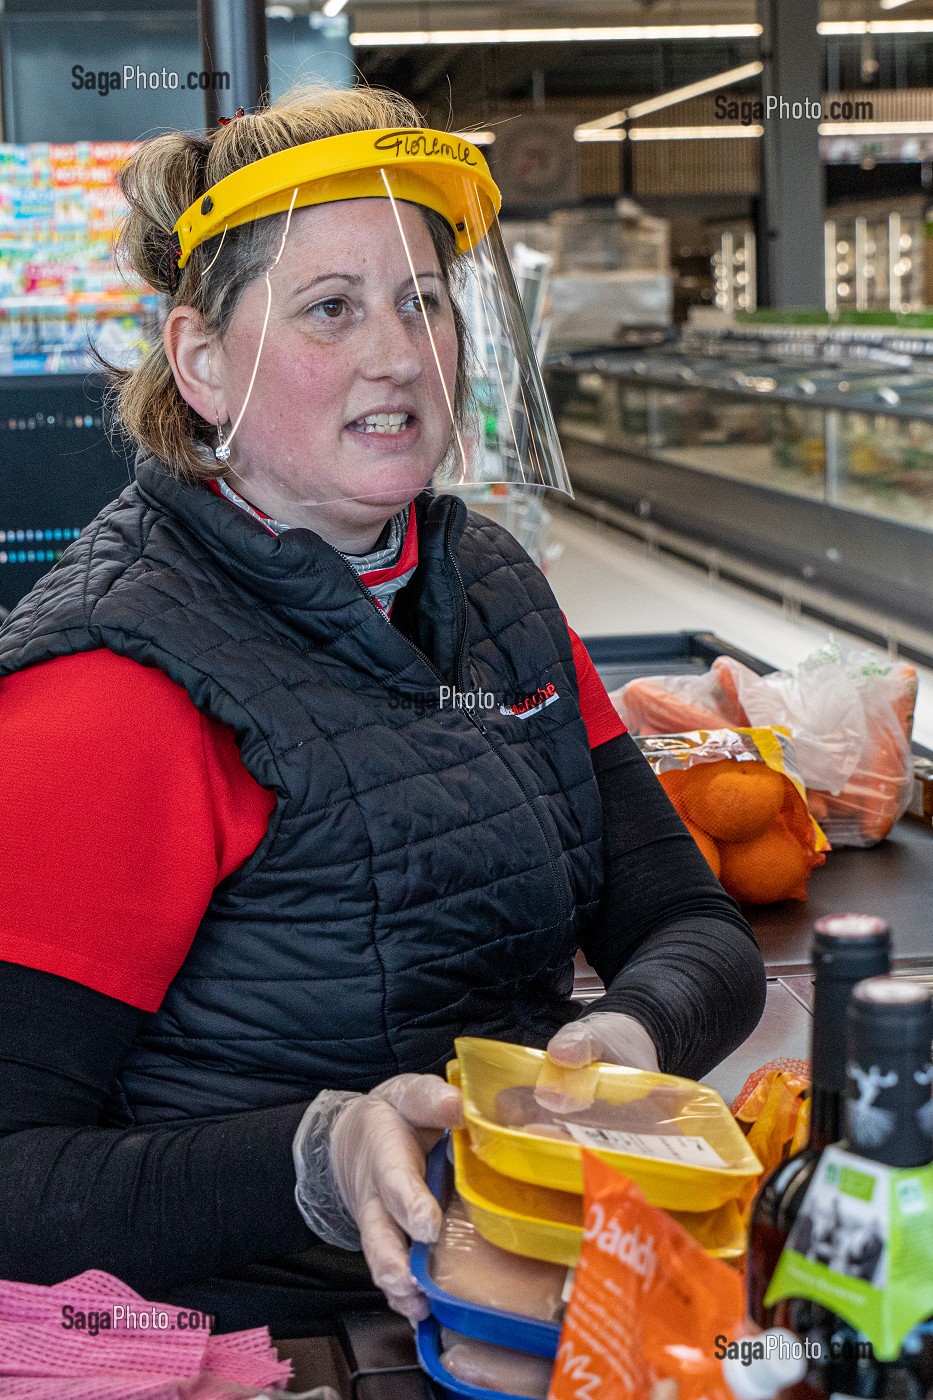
160	181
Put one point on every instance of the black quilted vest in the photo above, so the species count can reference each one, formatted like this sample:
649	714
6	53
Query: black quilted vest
427	869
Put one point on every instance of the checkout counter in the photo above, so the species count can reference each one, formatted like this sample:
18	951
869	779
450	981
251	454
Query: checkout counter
891	880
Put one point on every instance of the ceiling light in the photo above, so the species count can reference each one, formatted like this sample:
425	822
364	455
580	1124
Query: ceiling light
614	119
593	34
697	89
693	133
332	7
668	133
596	133
894	4
832	28
666	99
876	128
478	138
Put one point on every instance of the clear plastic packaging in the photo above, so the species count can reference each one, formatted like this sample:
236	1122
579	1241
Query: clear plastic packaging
850	714
495	1368
545	1224
465	1264
684	1150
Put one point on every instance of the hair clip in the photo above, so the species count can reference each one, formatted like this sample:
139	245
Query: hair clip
225	121
172	271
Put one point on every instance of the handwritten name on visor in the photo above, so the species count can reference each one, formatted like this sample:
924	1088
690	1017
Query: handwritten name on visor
384	347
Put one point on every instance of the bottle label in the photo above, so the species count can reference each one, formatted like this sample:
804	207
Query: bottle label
861	1246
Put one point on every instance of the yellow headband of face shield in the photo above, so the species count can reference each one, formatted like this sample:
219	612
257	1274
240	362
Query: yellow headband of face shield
413	164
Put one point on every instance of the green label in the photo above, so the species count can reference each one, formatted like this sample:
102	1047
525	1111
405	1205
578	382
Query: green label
861	1246
856	1183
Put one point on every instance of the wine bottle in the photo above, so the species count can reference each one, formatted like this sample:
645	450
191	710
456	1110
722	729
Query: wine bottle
846	949
857	1274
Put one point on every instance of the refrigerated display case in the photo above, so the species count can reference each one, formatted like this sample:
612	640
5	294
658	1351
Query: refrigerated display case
848	435
808	451
874	259
734	287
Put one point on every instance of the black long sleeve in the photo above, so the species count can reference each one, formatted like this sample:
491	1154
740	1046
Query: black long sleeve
672	948
157	1206
163	1206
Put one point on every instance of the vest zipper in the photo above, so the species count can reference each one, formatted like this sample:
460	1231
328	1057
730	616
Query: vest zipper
502	753
478	724
416	649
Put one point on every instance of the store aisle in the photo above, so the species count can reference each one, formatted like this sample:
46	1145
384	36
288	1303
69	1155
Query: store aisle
607	582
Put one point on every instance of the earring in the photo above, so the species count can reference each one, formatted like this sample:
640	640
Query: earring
222	450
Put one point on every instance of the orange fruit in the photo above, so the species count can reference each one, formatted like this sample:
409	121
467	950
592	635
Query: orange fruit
675	781
708	848
772	866
733	801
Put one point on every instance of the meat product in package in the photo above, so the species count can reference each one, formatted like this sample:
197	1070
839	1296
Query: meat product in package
468	1266
656	1112
495	1368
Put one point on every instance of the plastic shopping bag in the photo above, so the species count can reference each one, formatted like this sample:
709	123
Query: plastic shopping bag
849	711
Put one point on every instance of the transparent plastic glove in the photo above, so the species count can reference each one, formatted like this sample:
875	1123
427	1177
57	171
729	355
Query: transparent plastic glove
605	1035
360	1159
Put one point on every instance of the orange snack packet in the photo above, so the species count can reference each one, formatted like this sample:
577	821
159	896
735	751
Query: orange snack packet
776	1114
647	1303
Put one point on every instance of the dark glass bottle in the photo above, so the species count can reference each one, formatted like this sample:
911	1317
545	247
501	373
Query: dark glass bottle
846	949
889	1034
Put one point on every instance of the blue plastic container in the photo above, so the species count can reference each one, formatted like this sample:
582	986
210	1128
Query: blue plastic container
506	1329
428	1340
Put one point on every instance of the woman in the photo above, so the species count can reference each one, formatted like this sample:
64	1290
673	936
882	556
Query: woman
260	865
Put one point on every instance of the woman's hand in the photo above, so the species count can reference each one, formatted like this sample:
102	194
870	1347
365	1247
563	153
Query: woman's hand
606	1035
360	1163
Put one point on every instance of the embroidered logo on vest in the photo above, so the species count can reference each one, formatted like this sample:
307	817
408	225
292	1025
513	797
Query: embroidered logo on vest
531	704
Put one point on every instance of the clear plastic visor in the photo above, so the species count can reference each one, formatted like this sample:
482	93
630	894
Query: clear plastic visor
371	359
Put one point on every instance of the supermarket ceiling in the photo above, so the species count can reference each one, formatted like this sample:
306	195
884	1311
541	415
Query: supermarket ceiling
417	46
636	62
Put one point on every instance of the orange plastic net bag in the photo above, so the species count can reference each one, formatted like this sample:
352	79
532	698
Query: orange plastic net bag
773	1110
783	1062
740	796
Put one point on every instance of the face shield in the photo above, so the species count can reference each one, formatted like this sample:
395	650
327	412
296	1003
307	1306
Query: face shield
382	346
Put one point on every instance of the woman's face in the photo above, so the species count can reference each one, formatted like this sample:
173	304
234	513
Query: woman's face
349	415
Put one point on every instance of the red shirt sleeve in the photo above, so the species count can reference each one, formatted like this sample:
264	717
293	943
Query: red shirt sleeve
123	807
599	714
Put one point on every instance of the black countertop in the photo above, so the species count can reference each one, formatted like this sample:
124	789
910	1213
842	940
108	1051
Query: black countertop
893	880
